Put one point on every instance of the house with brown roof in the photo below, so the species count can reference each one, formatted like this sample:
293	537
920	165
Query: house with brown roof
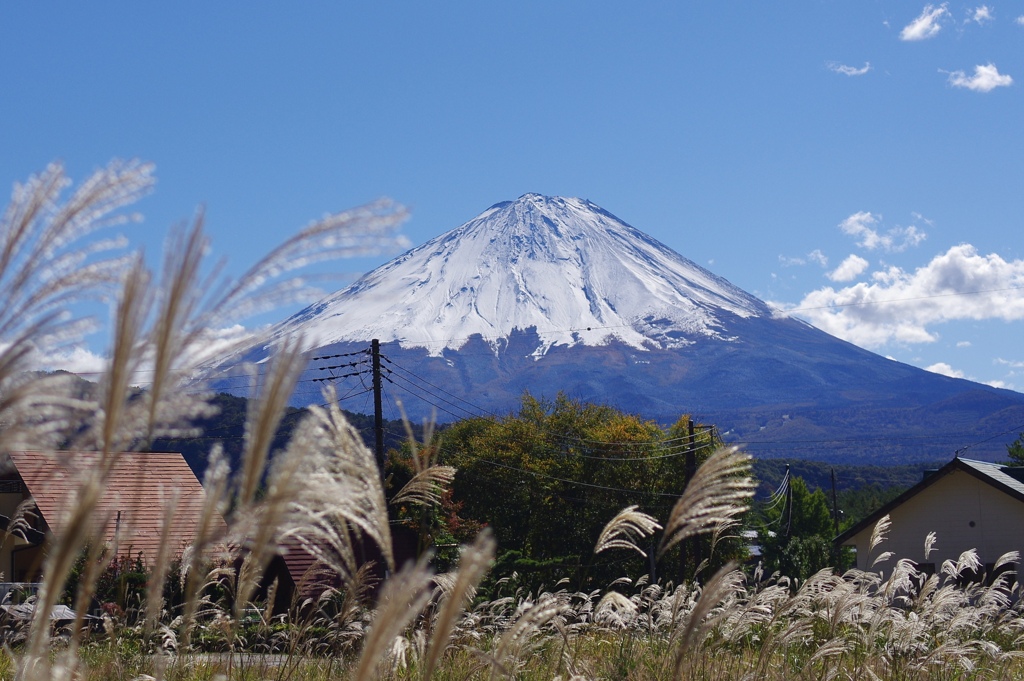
968	504
145	492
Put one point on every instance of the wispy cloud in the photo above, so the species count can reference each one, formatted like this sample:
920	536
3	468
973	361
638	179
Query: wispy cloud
1019	20
899	306
963	344
1013	364
945	370
982	14
836	67
863	227
817	256
985	79
927	25
849	269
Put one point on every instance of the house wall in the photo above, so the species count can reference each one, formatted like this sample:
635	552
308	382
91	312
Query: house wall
948	507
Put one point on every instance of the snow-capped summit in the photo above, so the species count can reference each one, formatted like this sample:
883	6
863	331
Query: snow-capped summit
563	266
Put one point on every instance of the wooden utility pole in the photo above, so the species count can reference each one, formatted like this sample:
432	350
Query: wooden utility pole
378	412
835	504
688	551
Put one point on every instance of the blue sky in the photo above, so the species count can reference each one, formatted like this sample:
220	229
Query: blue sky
813	153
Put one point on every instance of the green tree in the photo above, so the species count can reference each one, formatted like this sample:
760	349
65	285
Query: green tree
1015	450
796	533
548	478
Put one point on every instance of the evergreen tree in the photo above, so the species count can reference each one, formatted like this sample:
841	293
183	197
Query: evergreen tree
1015	450
796	533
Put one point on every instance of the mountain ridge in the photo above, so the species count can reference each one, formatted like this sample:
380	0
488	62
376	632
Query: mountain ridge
552	295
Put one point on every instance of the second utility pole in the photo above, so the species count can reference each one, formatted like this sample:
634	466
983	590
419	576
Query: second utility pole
378	414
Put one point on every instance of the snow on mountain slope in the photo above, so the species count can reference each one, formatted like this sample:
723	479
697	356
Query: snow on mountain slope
564	266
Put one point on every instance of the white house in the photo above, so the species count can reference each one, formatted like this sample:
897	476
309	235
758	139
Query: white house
968	504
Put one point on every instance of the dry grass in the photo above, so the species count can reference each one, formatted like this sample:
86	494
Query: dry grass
324	492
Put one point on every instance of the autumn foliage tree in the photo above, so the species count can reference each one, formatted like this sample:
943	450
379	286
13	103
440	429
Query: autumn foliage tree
547	479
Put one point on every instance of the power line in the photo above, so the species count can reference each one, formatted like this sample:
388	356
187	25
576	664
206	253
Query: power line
577	482
415	376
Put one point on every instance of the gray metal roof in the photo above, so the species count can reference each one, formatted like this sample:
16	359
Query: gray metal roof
1007	476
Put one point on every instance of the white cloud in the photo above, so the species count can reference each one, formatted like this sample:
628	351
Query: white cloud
77	360
862	226
836	67
849	269
963	344
215	345
999	384
899	306
985	79
945	370
926	25
1019	20
1009	363
982	14
817	256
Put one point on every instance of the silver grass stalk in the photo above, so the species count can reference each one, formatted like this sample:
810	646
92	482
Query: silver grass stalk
882	557
474	562
97	558
110	430
215	482
429	479
341	491
512	642
43	265
178	298
968	560
106	433
1008	558
723	584
614	609
426	486
717	494
929	544
624	530
402	600
264	417
365	230
879	533
256	524
161	564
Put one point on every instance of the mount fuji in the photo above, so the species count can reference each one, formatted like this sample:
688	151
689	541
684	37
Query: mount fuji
550	294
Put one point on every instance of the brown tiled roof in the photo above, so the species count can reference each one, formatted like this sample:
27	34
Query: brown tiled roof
139	488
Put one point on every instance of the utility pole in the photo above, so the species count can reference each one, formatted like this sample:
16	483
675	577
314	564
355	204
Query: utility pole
836	555
688	551
378	412
835	504
697	544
